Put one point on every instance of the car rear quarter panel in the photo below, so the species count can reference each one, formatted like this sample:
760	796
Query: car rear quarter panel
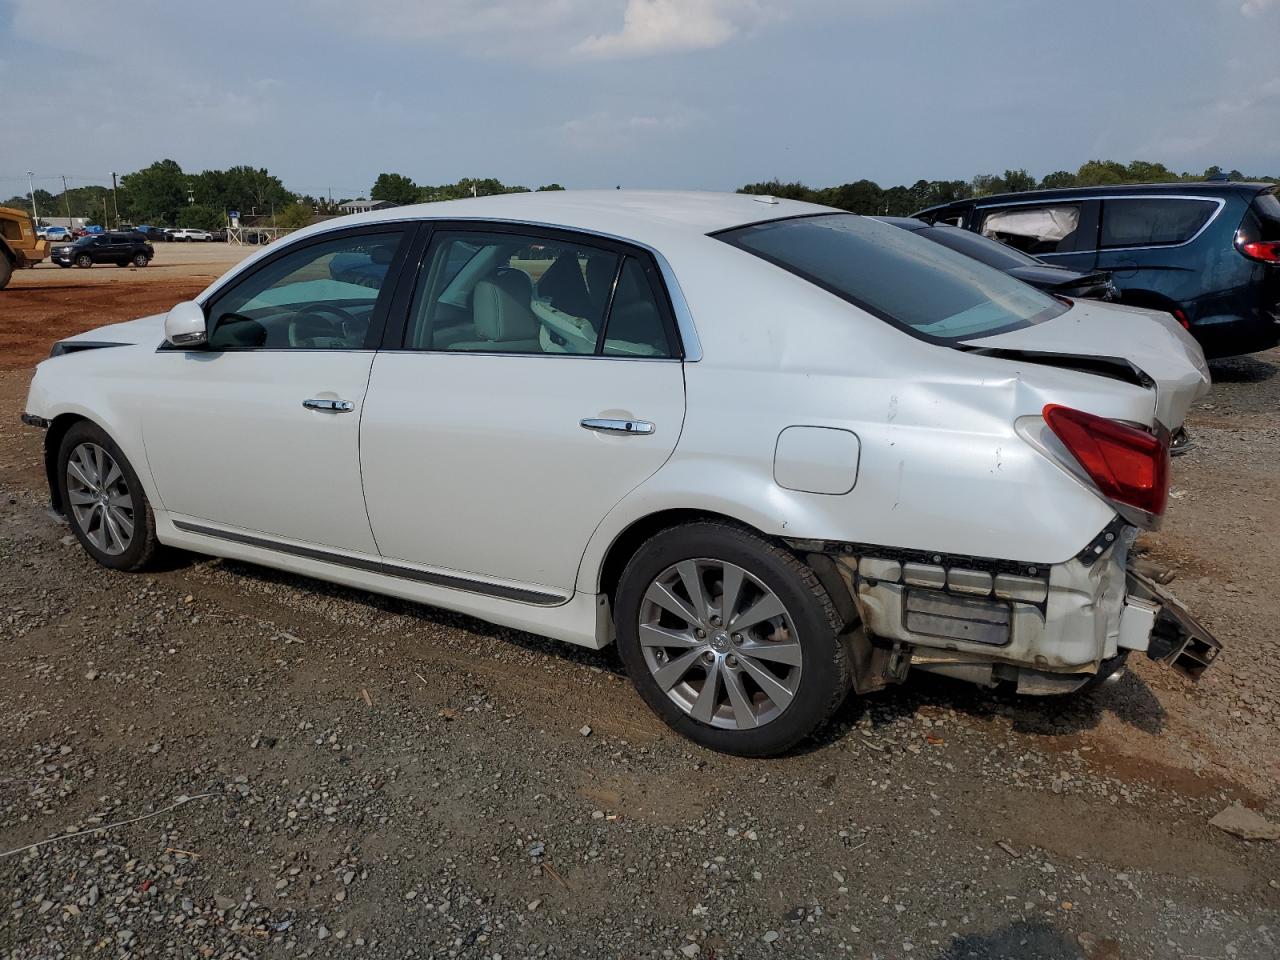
941	464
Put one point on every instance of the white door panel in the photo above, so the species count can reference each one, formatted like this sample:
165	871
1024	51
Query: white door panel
231	442
479	463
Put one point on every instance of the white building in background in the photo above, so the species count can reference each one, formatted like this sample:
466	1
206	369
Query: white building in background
364	206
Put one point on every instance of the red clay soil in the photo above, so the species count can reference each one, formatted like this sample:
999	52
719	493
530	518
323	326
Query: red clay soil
34	317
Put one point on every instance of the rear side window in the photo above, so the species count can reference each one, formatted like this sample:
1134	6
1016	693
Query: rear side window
10	229
1152	221
917	285
1262	222
1034	228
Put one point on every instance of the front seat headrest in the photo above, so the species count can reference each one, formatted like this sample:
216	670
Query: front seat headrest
500	307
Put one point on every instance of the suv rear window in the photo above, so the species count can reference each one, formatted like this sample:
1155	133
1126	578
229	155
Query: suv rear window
1152	221
1262	222
914	284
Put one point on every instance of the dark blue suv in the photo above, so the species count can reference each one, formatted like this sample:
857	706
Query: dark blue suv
1209	253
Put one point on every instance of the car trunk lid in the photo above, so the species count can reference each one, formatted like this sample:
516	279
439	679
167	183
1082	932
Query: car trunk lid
1145	347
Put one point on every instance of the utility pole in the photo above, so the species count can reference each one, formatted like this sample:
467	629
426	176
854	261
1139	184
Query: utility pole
66	200
35	214
115	201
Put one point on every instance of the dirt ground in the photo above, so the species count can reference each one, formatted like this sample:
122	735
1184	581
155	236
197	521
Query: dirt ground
369	777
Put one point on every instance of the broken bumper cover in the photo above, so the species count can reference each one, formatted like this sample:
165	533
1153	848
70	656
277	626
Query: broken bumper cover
1048	627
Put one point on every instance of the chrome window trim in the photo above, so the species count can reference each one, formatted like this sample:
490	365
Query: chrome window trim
679	305
1219	201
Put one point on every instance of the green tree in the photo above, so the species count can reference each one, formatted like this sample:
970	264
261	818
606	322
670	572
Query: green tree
394	188
1140	171
200	217
985	184
549	187
1057	180
295	215
156	193
1095	173
861	196
1018	181
786	191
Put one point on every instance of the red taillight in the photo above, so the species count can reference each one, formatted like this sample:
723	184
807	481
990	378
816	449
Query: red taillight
1268	251
1128	465
1181	317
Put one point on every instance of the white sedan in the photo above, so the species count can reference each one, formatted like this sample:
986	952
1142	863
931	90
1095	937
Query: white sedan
774	451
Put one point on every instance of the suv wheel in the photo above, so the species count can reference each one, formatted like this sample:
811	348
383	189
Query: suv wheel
84	260
730	639
140	260
104	501
6	270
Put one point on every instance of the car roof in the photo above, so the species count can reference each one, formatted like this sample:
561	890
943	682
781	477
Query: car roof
644	216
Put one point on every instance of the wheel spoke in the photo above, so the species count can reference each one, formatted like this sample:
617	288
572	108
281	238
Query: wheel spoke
79	498
652	635
766	607
731	588
787	652
663	597
674	671
121	501
709	696
744	713
121	526
772	687
79	470
99	466
691	577
113	473
97	535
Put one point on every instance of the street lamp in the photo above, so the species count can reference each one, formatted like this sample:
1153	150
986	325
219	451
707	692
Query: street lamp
35	214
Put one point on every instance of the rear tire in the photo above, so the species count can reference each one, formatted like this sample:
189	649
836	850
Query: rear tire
141	259
104	501
6	270
775	679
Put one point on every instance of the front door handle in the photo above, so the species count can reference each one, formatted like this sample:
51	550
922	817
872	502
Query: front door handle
334	406
617	426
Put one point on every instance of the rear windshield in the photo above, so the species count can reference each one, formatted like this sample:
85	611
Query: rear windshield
917	285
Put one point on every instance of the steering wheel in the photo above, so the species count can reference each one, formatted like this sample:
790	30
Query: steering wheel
303	327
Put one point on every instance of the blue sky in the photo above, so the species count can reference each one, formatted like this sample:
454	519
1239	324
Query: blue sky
643	93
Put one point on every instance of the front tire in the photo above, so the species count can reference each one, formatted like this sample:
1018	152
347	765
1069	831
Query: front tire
104	501
84	260
6	270
730	639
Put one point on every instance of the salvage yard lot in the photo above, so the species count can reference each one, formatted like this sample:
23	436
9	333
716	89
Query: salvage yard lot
374	778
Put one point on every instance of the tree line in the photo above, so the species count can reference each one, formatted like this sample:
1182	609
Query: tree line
163	194
868	197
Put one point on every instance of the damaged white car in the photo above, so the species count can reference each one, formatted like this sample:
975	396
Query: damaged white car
774	451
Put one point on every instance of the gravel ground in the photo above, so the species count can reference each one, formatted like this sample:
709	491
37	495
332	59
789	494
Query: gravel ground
324	773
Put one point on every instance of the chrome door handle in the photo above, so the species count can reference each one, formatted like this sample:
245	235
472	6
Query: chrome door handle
335	406
617	426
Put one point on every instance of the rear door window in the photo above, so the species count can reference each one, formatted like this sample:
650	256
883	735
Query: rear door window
1152	221
1033	228
919	286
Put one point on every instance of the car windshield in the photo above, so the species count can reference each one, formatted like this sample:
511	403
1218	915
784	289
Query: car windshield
991	252
919	286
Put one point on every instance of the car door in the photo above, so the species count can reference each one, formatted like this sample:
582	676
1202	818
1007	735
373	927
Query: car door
1062	232
1142	238
259	430
536	382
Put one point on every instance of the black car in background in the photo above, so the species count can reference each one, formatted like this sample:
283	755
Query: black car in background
122	249
1207	252
1057	280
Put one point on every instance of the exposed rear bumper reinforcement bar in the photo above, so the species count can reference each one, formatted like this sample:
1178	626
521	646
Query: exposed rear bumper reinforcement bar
1178	639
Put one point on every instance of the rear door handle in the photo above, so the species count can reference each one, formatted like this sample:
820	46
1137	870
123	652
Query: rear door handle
335	406
617	426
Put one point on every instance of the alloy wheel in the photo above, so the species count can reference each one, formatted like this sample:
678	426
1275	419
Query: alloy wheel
720	644
99	496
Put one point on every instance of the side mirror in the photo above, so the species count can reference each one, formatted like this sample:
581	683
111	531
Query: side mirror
184	325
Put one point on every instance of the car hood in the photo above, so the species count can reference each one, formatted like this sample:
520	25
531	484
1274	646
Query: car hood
1146	341
143	330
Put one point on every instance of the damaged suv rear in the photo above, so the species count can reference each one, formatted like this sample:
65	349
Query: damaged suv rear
1014	470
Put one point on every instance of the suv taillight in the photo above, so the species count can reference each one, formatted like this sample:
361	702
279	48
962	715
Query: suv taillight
1128	465
1268	251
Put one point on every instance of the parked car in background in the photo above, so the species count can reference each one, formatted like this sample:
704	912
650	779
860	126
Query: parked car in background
122	249
89	230
152	233
55	234
191	233
1207	252
219	235
775	451
1058	280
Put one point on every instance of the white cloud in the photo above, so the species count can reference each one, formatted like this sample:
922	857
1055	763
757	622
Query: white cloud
1256	8
661	26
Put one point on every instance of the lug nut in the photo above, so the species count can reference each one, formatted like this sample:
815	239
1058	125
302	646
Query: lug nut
715	621
737	639
700	633
709	657
731	661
